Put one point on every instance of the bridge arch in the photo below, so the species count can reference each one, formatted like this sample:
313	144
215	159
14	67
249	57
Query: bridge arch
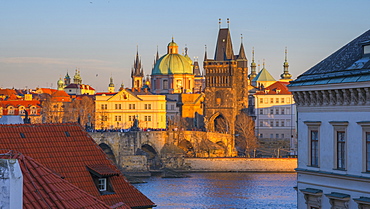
108	151
152	155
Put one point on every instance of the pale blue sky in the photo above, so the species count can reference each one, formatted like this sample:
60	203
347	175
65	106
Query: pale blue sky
41	39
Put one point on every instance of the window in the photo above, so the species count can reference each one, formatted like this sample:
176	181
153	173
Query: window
277	111
165	84
277	100
313	142
172	107
340	150
261	135
282	136
272	100
148	118
282	123
261	100
271	111
102	184
118	106
282	111
277	123
282	100
277	136
271	136
261	123
288	100
104	106
131	117
288	110
271	124
261	111
118	118
365	145
104	118
148	106
33	110
131	106
10	110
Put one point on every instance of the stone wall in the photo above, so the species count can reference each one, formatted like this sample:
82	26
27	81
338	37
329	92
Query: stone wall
241	164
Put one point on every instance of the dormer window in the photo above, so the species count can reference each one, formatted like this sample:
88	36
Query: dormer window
367	50
101	175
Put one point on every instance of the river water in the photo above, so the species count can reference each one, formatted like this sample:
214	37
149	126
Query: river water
223	190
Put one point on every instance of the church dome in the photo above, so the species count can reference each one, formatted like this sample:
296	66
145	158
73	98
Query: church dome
173	62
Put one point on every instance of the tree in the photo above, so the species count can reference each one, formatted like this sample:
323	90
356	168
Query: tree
245	140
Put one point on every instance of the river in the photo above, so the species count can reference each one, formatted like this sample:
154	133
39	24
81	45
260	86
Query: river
223	190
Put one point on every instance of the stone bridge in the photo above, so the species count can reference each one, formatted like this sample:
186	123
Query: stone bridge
138	151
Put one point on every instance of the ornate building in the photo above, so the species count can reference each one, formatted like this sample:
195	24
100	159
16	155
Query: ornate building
173	72
227	85
75	88
333	104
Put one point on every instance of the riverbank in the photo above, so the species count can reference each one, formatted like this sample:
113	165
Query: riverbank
240	164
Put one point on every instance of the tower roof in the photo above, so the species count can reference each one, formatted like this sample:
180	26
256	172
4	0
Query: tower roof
242	51
224	47
264	75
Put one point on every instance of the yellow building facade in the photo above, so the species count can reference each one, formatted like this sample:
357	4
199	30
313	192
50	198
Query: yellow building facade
120	110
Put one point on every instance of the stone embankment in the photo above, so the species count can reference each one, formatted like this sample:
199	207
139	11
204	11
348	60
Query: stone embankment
240	164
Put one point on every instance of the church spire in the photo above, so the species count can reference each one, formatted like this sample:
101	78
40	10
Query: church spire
111	85
137	73
253	67
286	75
205	52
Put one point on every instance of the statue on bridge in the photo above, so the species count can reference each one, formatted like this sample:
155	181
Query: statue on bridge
135	125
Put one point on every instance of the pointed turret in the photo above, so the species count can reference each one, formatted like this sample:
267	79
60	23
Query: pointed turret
253	68
241	50
286	76
205	52
196	69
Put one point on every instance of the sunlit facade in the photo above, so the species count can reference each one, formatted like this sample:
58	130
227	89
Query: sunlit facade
120	110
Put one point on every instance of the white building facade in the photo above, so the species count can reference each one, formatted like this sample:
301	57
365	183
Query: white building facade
333	117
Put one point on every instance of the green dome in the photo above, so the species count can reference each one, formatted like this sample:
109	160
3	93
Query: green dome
173	64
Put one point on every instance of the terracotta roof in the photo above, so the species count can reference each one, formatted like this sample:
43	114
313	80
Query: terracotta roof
7	92
278	87
68	150
18	103
42	188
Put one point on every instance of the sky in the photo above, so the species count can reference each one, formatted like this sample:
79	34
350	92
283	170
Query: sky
42	40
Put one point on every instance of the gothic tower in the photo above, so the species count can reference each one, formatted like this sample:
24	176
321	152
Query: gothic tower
226	86
137	73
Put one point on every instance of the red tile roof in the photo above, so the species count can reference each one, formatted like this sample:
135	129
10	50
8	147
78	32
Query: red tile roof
272	89
42	188
69	157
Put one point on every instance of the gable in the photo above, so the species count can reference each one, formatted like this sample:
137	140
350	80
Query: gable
124	95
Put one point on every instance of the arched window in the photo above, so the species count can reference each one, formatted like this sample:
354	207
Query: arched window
10	110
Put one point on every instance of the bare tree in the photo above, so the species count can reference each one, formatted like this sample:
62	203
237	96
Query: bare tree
80	110
246	139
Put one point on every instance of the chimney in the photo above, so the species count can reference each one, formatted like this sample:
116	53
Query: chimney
11	184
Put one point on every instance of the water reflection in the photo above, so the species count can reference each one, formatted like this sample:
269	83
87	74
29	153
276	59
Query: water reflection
223	190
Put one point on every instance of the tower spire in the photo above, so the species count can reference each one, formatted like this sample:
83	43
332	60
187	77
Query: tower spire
241	50
253	67
219	23
205	52
286	75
